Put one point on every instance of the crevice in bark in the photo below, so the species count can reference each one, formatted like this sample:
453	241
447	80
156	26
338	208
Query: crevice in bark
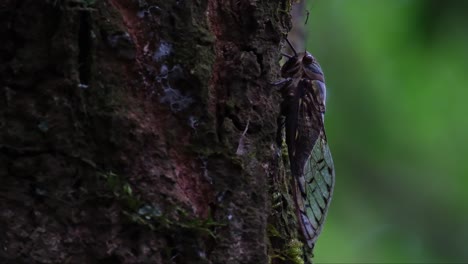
85	48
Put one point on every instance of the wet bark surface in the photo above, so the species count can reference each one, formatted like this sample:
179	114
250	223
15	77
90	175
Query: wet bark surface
139	131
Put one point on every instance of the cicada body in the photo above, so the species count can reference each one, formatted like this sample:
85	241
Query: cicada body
303	109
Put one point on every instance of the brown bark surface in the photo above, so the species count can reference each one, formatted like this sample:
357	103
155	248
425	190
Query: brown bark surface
140	131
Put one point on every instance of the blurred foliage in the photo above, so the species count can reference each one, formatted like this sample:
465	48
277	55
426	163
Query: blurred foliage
397	79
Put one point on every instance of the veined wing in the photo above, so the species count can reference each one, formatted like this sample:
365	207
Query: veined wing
304	122
316	189
310	157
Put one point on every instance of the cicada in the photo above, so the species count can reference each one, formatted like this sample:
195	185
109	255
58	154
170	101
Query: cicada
302	117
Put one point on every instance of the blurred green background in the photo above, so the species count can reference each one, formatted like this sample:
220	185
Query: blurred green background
397	124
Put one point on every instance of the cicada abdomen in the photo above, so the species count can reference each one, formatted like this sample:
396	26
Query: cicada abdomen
303	109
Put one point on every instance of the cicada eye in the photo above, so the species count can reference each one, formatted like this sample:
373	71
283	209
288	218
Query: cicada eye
308	59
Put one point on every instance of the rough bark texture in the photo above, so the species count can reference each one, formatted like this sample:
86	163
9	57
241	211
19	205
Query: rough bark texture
141	132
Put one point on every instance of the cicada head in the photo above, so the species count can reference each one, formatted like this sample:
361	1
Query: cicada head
311	67
313	72
292	68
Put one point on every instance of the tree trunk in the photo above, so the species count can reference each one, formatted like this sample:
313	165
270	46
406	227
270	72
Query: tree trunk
142	132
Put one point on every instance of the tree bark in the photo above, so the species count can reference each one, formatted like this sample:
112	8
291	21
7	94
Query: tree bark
142	132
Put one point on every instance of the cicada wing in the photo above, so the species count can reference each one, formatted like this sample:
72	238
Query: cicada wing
310	159
303	123
317	182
